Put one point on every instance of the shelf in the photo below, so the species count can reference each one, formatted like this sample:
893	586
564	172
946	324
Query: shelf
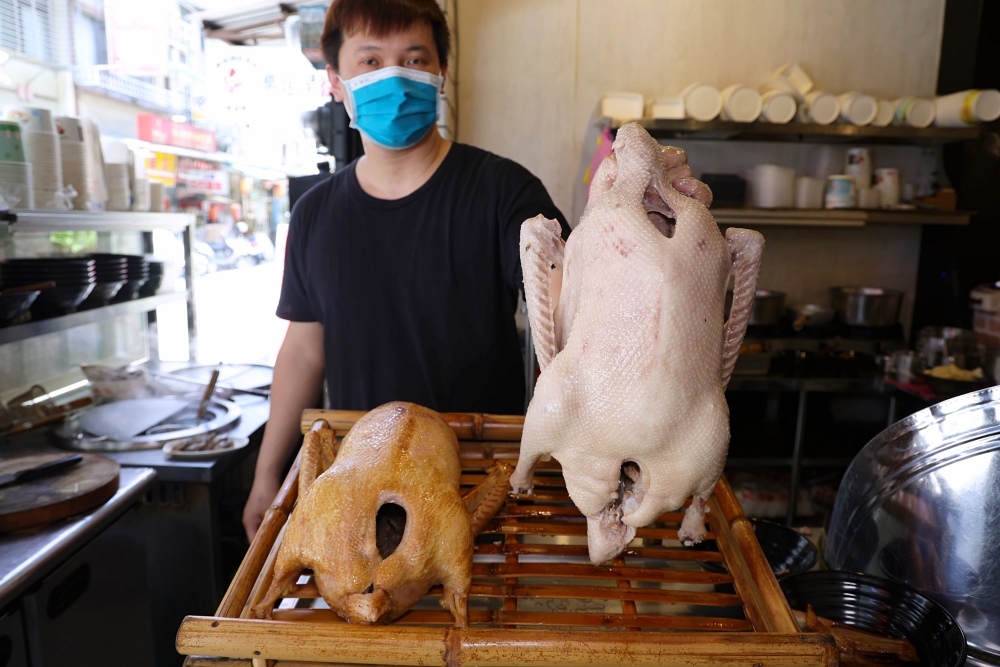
19	332
804	132
837	217
103	221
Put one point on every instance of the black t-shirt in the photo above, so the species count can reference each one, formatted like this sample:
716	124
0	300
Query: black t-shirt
417	295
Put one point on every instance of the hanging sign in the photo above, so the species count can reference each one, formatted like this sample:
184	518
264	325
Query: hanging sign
158	130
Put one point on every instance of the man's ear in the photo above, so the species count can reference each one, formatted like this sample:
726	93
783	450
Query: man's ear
335	85
444	77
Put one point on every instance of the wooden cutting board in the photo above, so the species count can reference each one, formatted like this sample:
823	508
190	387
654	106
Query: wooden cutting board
84	486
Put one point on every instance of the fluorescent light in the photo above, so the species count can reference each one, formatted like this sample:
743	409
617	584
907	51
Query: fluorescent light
179	118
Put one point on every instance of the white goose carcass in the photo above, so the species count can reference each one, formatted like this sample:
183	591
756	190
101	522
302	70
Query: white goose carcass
627	321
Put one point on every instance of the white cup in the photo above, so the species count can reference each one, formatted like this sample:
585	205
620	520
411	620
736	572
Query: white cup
782	83
796	76
808	192
966	108
741	103
156	197
671	108
69	128
886	112
887	183
841	192
820	108
869	198
857	108
859	165
913	111
702	101
777	106
773	186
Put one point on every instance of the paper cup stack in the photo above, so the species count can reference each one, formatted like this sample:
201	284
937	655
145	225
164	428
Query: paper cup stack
118	187
15	172
140	192
74	160
41	147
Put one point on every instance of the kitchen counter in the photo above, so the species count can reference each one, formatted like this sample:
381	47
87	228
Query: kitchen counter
28	555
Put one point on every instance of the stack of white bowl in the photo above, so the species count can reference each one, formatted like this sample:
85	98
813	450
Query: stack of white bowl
117	177
41	147
15	172
74	160
140	194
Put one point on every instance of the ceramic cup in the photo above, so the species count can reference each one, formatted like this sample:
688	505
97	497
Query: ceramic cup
857	108
777	106
886	112
820	108
741	103
702	101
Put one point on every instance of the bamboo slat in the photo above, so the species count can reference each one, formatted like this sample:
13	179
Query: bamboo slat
535	598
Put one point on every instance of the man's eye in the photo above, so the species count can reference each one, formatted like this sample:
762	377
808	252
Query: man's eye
415	61
371	62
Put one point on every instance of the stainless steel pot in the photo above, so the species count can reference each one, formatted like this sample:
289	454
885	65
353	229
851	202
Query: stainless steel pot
810	315
768	307
921	504
867	306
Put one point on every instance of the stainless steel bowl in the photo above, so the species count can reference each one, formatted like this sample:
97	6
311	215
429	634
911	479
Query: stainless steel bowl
867	306
921	505
767	309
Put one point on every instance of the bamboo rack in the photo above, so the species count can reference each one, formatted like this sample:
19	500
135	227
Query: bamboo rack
535	598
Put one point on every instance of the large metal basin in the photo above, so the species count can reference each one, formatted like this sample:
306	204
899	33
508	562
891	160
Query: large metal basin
921	504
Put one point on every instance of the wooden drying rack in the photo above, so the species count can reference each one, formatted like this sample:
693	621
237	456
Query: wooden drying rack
660	574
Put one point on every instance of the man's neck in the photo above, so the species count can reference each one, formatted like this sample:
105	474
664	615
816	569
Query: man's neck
389	174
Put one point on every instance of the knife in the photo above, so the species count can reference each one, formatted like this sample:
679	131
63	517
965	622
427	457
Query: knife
44	470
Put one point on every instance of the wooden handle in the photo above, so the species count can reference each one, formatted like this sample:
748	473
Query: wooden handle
466	425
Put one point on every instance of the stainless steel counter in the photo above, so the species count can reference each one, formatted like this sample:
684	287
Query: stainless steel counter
28	555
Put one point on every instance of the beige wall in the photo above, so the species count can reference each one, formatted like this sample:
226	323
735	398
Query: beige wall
531	72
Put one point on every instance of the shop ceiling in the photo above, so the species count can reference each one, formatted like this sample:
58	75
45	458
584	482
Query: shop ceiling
250	24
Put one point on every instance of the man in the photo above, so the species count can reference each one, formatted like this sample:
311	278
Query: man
402	269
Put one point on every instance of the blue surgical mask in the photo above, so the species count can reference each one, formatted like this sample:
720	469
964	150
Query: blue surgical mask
394	106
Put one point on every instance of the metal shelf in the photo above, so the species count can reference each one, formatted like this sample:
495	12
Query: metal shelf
101	221
804	132
837	217
18	332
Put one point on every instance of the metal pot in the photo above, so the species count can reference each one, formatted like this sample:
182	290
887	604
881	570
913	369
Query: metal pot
921	505
810	315
767	308
867	306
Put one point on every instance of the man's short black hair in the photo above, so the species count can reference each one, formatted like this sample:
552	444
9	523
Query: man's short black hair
379	18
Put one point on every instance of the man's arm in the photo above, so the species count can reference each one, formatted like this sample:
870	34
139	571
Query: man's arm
297	384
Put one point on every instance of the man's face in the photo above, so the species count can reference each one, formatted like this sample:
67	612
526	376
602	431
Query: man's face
360	53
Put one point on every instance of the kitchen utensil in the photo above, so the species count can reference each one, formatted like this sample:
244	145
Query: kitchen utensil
808	192
857	108
968	107
221	415
173	449
810	315
867	306
208	394
84	486
913	111
741	103
885	114
787	551
841	192
773	186
859	165
124	420
882	607
887	183
919	505
767	308
777	106
50	417
41	470
820	108
702	101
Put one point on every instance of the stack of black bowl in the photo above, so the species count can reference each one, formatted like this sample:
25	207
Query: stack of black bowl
155	280
112	272
136	274
75	278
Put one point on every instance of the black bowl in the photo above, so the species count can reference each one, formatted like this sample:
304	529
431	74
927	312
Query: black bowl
884	607
150	286
103	293
50	261
787	551
61	299
129	291
12	305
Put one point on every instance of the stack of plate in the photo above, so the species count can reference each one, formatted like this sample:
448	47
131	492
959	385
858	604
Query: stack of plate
155	280
112	273
74	160
15	171
75	278
119	198
42	150
136	274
